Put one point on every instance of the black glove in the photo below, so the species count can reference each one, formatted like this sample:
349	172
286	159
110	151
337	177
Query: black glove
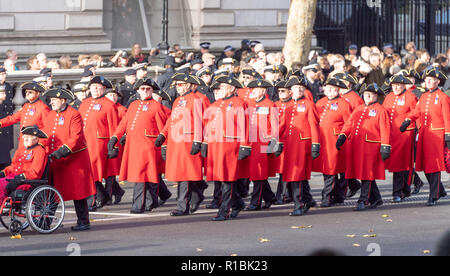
204	150
271	146
447	140
112	152
279	150
60	153
164	153
315	151
14	183
2	174
196	147
340	141
244	152
123	140
405	125
385	152
160	140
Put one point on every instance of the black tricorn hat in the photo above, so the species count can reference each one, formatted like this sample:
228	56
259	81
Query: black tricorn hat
229	80
373	87
60	93
34	130
32	85
335	82
260	83
280	84
347	77
101	80
411	73
251	72
185	78
399	79
298	81
436	73
146	81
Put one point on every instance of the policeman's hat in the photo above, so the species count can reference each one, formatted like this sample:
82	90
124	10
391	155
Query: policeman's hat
280	84
347	77
230	80
221	72
252	73
87	73
272	69
259	83
399	79
114	90
146	81
231	61
32	85
130	72
60	93
298	81
297	73
185	78
34	130
205	45
204	71
101	80
141	66
335	82
373	87
80	87
411	73
436	73
46	72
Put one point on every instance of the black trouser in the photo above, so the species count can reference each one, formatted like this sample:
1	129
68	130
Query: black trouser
81	208
333	189
186	190
416	180
352	184
100	195
243	186
163	192
144	196
261	190
369	192
284	192
400	185
301	193
231	198
112	187
437	190
217	194
2	166
197	195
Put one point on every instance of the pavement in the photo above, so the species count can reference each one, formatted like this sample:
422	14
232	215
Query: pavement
394	229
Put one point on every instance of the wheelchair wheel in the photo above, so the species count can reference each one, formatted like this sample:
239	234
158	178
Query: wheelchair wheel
7	220
45	209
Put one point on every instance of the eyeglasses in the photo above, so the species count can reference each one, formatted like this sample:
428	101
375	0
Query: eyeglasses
179	84
142	88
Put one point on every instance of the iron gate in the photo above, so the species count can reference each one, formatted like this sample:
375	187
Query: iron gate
340	23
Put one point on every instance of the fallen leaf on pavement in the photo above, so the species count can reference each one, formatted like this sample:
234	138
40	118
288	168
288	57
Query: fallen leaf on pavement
16	237
263	240
72	239
199	250
351	236
356	245
389	220
370	236
426	252
385	216
234	254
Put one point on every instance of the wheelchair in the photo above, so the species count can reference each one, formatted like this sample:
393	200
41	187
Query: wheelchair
41	207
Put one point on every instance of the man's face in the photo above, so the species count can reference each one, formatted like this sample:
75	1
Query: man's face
31	95
2	96
247	79
331	91
397	88
137	49
130	78
431	83
258	92
81	95
353	51
284	93
145	91
209	61
29	140
2	77
113	97
218	94
412	79
57	104
97	90
297	91
49	82
206	78
141	73
226	89
370	97
182	87
375	61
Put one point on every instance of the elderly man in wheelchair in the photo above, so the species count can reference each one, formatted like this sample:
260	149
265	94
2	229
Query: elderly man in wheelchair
23	189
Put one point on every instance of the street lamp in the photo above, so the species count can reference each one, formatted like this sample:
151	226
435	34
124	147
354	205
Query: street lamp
165	24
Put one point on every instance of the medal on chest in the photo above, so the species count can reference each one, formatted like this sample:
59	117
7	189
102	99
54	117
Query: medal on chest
97	107
401	101
29	155
229	106
436	100
334	106
262	110
182	103
145	107
32	111
301	108
61	121
373	113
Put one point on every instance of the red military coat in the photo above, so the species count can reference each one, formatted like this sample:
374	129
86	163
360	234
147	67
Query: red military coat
353	99
333	114
100	117
433	111
264	126
226	130
114	164
142	161
367	129
30	162
398	107
72	175
184	126
244	93
30	114
299	129
277	162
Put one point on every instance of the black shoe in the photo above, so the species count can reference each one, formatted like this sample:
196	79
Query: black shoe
431	202
360	207
297	212
92	208
219	218
109	203
325	204
351	193
235	212
212	206
376	204
133	211
308	205
253	208
118	198
279	202
103	202
81	227
178	213
417	189
267	205
397	199
336	201
163	201
443	194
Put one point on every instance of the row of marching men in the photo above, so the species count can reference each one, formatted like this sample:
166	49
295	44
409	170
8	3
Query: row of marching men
244	137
